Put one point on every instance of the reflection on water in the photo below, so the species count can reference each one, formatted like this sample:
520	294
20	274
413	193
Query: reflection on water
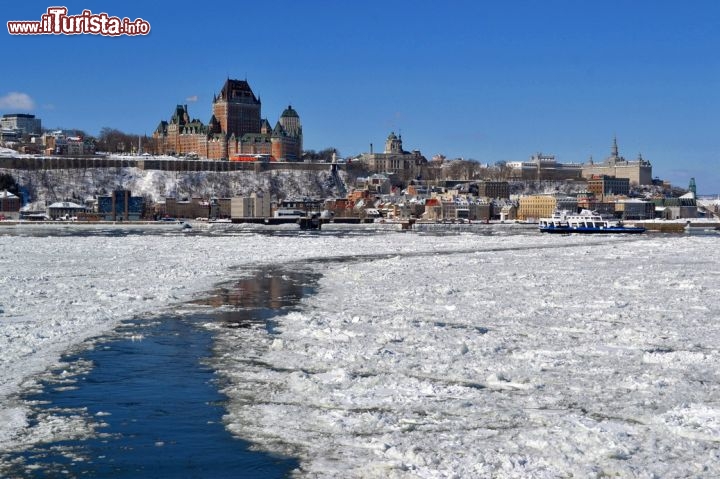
145	400
261	295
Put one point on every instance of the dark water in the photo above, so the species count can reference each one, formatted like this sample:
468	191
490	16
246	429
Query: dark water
155	399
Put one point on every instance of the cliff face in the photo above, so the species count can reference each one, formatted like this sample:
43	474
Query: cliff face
52	185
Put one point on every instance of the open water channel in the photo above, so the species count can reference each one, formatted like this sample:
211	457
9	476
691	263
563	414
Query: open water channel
150	399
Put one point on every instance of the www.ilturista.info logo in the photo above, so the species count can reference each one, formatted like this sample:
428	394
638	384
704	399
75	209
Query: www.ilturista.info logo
57	22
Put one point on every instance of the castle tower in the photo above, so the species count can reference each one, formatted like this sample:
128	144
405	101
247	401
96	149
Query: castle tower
237	109
290	121
287	136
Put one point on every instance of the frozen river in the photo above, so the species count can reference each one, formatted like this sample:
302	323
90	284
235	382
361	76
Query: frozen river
486	353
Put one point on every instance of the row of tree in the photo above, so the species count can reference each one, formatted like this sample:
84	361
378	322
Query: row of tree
113	140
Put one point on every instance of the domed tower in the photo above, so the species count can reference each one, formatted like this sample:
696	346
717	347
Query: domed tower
290	121
393	144
287	136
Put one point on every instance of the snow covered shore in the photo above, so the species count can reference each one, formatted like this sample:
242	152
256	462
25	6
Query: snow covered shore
525	355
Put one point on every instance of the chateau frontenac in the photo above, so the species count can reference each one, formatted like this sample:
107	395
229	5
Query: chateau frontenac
236	127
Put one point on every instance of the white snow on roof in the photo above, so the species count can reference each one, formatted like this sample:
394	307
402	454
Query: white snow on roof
8	152
66	205
7	194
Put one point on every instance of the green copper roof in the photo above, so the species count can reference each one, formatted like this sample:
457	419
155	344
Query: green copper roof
289	112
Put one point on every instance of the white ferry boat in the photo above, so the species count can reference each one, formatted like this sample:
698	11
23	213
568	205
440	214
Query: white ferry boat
585	222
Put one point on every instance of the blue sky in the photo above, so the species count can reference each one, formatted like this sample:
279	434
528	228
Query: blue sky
491	81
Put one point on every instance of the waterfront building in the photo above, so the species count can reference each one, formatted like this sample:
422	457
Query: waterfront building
508	212
456	207
120	206
10	204
65	210
677	208
186	208
533	207
256	205
634	209
236	127
639	171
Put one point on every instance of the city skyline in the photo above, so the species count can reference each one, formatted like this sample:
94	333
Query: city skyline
489	81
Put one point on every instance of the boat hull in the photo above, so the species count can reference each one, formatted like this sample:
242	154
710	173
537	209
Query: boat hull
582	230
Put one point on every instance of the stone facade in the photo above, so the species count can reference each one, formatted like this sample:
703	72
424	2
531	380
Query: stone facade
236	127
395	160
639	172
544	167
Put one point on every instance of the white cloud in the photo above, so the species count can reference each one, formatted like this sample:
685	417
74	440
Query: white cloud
17	101
191	99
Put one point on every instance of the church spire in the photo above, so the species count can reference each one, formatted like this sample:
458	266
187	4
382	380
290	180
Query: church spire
614	152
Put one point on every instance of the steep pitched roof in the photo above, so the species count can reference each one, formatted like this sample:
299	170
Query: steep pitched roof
238	90
180	116
279	130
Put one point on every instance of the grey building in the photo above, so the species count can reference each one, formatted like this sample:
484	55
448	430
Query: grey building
24	123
